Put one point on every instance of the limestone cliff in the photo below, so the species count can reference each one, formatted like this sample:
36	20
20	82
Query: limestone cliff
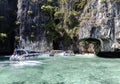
30	24
80	25
69	22
41	24
101	20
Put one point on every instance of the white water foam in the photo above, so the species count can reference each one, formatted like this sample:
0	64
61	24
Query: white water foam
26	63
86	55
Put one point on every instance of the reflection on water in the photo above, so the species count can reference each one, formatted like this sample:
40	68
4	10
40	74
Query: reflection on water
61	70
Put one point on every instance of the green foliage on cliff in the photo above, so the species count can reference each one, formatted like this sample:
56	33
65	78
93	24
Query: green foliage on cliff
116	1
81	4
47	8
2	18
52	32
30	12
72	21
49	1
64	20
58	14
3	36
17	22
17	38
103	1
32	36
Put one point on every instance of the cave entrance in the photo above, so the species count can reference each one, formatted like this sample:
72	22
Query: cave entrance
89	45
58	44
55	45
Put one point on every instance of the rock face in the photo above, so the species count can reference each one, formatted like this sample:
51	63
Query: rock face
101	20
91	20
30	24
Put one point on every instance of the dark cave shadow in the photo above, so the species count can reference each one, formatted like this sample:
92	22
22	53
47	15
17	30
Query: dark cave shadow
109	54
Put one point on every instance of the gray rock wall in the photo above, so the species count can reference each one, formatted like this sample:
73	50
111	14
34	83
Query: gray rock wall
31	24
101	19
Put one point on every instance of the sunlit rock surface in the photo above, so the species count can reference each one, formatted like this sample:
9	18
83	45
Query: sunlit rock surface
101	19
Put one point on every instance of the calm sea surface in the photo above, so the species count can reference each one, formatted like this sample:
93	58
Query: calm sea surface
61	70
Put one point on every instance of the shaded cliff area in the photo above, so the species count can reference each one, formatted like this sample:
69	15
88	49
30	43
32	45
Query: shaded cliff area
8	9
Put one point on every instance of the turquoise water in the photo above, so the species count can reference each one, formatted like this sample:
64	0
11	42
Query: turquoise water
61	70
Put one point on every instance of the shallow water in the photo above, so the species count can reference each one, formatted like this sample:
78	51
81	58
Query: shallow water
61	70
